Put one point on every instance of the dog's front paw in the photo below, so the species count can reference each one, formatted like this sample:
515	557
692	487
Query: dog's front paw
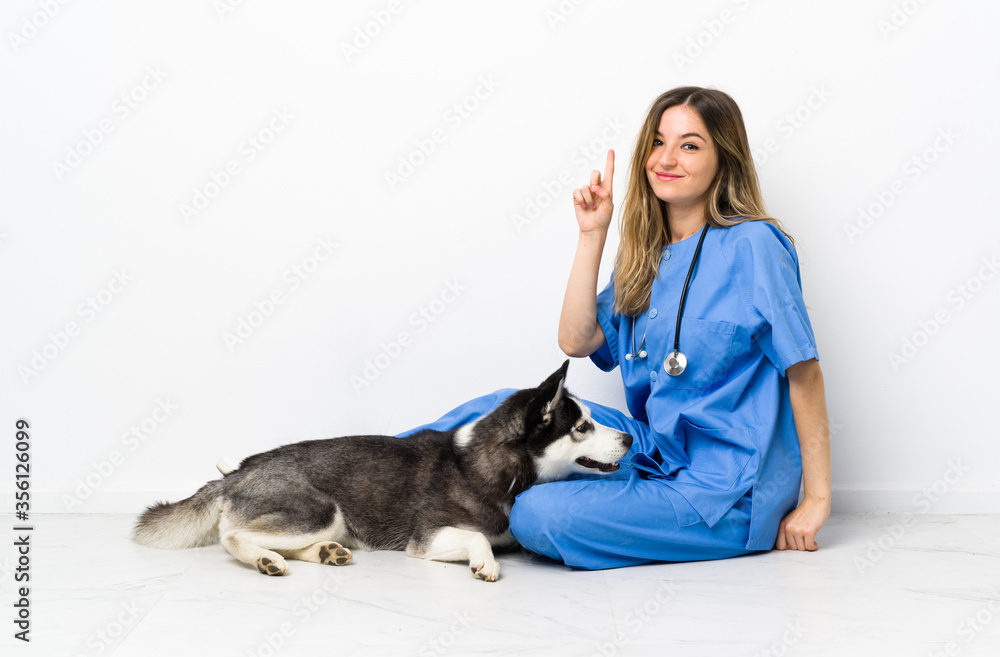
334	554
488	571
270	566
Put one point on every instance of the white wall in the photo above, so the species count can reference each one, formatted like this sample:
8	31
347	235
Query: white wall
548	87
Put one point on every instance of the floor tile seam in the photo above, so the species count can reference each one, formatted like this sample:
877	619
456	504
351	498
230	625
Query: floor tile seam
153	606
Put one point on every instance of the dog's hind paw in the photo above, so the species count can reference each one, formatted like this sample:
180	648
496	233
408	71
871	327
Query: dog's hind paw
334	554
488	571
270	566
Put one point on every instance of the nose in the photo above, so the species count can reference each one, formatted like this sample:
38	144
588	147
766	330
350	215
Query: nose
667	158
626	440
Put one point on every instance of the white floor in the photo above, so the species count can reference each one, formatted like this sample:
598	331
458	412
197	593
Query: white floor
879	585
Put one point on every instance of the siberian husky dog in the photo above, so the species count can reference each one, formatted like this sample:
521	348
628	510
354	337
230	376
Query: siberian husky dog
438	495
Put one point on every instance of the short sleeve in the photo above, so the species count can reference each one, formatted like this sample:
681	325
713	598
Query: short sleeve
771	290
606	357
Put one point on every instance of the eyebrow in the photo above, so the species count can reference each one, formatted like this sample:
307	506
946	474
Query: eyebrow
685	135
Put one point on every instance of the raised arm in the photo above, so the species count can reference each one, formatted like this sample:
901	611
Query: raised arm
579	333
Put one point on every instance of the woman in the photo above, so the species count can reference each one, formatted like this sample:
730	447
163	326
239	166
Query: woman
723	430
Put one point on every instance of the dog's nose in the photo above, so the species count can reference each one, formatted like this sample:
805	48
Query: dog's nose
627	440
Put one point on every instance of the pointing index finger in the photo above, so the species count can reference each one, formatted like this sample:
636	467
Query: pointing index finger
609	168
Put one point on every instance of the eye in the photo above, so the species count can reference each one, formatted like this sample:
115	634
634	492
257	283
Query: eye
657	142
583	428
694	147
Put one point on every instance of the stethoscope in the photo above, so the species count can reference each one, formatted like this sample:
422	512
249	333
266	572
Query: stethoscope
675	362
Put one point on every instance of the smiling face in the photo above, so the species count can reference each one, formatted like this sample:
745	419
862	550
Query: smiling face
683	162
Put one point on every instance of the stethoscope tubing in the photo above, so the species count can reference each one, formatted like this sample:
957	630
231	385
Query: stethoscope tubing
675	362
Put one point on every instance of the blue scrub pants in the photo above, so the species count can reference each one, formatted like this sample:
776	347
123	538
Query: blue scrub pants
610	521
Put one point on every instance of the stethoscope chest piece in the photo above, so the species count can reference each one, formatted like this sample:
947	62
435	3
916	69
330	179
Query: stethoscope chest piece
675	363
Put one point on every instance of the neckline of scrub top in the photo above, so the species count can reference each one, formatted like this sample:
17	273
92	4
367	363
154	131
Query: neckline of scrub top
689	237
685	247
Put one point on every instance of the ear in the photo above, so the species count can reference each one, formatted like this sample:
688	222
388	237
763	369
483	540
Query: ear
556	379
551	391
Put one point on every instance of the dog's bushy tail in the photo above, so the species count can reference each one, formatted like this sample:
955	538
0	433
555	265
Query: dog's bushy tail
192	522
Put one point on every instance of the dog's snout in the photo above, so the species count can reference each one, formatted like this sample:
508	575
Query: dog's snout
626	440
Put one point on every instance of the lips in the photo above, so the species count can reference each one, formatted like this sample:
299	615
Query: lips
666	177
591	464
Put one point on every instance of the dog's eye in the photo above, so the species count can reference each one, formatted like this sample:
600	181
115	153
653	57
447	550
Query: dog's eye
584	428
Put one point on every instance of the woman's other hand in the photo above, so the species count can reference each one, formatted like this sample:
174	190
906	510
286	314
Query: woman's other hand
798	529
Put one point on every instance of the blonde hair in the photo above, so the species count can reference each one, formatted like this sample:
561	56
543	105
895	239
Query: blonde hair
734	195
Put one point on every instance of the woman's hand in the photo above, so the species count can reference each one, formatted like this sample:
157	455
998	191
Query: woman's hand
798	529
593	202
579	332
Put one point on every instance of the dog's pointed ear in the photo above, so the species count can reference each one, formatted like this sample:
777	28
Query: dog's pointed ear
556	379
551	391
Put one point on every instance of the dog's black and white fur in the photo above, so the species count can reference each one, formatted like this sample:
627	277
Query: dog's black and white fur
438	495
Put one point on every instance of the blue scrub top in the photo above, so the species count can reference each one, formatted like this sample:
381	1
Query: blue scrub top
725	424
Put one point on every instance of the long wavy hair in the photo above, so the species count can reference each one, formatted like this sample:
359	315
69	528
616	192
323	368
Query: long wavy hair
734	195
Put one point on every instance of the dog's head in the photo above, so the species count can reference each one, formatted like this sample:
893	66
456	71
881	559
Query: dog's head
563	437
